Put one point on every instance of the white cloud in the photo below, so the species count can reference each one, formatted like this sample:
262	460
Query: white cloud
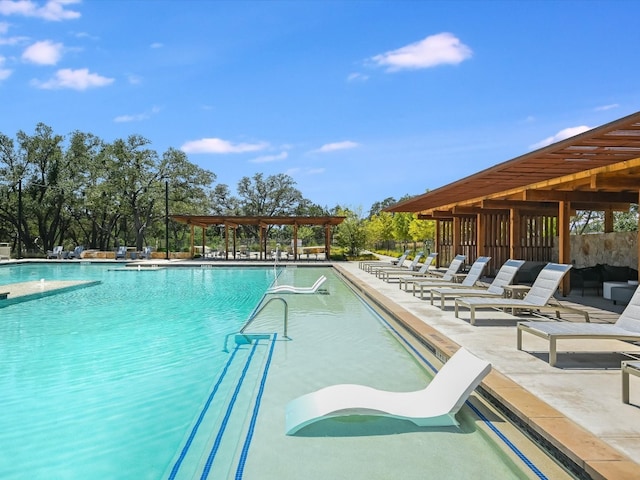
53	10
440	49
4	28
217	145
270	158
156	45
561	135
137	117
43	53
357	77
79	79
332	147
606	107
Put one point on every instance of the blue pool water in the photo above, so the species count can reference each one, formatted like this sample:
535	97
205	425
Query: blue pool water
132	379
104	380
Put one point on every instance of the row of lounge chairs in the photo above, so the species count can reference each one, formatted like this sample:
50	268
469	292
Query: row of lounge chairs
58	252
468	295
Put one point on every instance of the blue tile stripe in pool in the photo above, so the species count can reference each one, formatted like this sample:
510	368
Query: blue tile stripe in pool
254	416
185	449
486	421
227	415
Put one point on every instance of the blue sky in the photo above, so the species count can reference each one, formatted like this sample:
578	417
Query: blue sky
356	100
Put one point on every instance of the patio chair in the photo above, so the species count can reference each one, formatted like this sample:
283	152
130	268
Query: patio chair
293	289
469	280
504	277
76	253
434	406
411	267
55	253
121	252
146	253
367	265
539	298
626	328
423	271
448	276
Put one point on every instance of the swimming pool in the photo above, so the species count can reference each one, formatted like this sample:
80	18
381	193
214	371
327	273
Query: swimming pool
132	378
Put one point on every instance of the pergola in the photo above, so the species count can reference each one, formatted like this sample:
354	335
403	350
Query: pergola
511	209
263	222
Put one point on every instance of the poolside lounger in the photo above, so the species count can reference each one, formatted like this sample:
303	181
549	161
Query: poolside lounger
469	281
294	289
121	252
448	276
55	253
375	269
411	268
397	261
423	271
540	297
434	406
504	277
626	328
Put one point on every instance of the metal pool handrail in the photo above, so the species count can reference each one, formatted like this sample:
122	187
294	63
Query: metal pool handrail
255	314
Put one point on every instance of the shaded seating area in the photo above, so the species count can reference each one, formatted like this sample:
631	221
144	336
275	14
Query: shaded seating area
626	328
434	406
539	298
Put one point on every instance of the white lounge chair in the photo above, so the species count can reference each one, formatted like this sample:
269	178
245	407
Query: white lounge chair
375	269
448	276
411	267
55	253
470	279
504	277
434	406
539	298
365	265
395	263
423	271
121	252
293	289
626	328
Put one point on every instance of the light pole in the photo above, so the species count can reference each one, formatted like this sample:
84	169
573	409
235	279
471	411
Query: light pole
20	218
166	218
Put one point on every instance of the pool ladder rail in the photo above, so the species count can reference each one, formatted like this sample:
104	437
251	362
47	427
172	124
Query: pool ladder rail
244	338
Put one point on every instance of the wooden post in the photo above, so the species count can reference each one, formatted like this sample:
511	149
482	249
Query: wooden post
608	220
203	240
456	237
515	234
436	243
192	241
295	241
564	245
226	241
327	241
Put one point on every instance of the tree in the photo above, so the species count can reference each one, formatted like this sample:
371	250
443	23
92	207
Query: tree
380	228
351	233
401	222
422	230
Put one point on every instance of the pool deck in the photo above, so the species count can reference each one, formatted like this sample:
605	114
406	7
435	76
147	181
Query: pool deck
576	406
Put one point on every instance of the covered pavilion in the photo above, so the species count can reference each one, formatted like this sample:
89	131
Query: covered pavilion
516	208
232	222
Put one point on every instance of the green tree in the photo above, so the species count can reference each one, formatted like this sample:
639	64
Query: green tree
351	233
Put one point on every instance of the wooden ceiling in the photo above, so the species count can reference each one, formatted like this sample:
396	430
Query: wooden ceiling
235	221
596	170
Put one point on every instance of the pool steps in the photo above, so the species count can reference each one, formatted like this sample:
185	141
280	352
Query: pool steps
218	439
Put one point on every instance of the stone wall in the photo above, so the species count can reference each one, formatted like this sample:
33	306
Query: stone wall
616	248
